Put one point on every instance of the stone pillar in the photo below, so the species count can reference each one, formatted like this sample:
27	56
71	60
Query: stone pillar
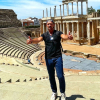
43	27
63	9
67	28
72	28
60	10
88	32
98	30
60	27
93	35
64	28
82	30
67	9
46	12
77	7
72	8
55	11
55	26
50	11
77	30
43	13
87	7
46	29
81	7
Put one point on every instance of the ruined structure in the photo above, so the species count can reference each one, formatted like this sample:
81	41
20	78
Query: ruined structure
83	27
8	18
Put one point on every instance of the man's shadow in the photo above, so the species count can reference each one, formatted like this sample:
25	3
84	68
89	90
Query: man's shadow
73	97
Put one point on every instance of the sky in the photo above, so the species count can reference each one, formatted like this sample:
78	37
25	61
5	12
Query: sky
34	8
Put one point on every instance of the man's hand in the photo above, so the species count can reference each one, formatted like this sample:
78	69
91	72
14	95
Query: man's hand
34	41
29	40
70	37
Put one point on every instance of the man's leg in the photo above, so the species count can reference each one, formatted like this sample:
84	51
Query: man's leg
51	71
60	74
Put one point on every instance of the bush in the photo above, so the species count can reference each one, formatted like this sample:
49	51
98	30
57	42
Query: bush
32	26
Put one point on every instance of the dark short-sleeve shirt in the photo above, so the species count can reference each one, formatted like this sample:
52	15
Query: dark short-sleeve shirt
52	44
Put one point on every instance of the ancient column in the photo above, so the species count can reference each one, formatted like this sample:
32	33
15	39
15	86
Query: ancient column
87	7
81	7
43	27
93	25
60	27
50	11
46	29
88	32
46	12
67	27
98	31
60	10
43	13
55	11
67	9
63	9
82	30
64	28
77	30
77	7
72	8
55	26
72	28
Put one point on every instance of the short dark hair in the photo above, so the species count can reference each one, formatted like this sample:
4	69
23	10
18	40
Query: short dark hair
50	21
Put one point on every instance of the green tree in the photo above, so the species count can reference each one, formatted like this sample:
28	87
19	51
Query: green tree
91	10
98	11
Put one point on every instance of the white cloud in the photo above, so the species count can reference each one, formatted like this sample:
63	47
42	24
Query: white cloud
33	8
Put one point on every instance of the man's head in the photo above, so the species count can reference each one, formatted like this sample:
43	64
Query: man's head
50	24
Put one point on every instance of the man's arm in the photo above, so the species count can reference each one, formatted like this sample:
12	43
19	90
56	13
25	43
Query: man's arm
66	37
34	41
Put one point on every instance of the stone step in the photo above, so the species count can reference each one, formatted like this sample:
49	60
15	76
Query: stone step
77	88
9	60
12	78
23	70
34	59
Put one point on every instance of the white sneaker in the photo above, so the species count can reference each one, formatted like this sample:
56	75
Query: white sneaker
63	96
54	96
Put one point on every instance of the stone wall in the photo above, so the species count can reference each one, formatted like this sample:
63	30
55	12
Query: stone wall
33	32
8	18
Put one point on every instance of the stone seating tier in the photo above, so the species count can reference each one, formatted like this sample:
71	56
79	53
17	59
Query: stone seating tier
13	43
15	32
21	71
17	43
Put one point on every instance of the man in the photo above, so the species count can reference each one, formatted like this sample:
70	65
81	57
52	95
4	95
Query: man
53	56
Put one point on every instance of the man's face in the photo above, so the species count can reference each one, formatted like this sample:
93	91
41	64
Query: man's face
50	25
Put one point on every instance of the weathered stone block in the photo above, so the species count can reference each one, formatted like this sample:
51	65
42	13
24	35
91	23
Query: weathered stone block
8	18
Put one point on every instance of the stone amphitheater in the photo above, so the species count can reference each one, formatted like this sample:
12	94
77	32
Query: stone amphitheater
8	18
20	80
